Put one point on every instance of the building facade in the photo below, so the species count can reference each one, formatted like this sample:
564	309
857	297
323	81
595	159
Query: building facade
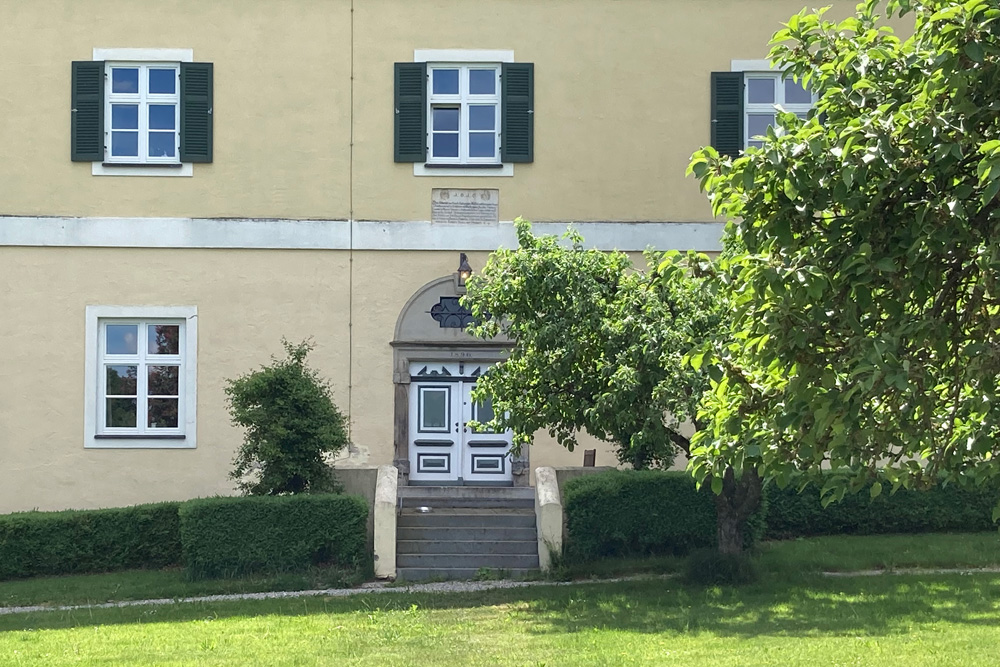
187	183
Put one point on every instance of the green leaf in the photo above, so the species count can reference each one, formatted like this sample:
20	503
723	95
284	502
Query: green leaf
975	51
875	490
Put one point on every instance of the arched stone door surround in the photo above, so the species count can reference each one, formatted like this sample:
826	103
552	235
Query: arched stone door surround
427	331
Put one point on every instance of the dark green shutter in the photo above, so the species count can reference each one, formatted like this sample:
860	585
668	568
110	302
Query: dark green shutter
410	83
196	112
727	112
87	116
517	117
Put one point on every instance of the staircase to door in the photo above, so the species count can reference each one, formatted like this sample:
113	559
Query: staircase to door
450	532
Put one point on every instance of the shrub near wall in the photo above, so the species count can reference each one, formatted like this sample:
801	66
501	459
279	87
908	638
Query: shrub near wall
224	537
84	541
940	509
632	513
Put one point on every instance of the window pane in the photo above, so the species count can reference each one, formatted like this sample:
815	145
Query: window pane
120	412
445	82
122	339
483	82
482	116
162	413
445	145
756	144
760	91
163	338
125	144
162	81
161	116
124	80
757	123
435	408
125	116
482	144
163	380
121	380
161	144
796	94
445	120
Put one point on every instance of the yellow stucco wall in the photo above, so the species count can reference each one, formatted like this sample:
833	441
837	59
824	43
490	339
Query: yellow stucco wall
281	114
303	129
621	94
246	302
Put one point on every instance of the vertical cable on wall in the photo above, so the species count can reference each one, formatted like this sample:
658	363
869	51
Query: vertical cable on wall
350	252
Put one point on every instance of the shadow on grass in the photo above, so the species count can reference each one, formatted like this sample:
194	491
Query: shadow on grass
815	607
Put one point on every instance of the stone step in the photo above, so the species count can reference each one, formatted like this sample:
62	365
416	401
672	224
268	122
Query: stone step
474	561
488	492
466	534
461	573
462	520
524	547
484	497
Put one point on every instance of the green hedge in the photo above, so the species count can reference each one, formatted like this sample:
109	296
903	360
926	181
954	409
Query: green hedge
225	537
646	512
82	541
940	509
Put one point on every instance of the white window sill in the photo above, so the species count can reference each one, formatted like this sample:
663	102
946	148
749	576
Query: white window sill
108	169
139	442
420	169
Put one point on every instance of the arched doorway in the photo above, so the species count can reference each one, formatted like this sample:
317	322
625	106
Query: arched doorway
435	365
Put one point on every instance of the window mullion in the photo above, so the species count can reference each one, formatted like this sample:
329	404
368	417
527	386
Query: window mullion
142	393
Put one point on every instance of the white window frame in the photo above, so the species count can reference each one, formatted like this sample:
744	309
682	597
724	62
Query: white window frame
463	100
463	58
95	434
143	99
762	69
155	57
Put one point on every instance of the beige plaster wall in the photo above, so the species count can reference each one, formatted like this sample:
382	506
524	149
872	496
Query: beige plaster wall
621	96
247	300
281	109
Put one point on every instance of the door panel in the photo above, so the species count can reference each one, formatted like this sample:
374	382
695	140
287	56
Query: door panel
444	448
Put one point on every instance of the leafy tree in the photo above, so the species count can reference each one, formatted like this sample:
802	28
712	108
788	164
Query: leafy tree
598	346
866	303
292	426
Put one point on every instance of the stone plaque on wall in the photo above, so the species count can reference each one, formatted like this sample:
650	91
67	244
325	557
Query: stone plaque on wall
465	205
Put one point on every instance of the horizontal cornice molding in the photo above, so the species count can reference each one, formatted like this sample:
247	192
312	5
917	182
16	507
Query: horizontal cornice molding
276	233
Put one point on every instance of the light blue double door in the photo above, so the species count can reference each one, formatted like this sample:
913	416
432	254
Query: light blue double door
444	448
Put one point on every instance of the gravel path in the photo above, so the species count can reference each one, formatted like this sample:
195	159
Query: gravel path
435	587
364	589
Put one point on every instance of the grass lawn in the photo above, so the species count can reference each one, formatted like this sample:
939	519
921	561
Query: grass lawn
791	617
891	620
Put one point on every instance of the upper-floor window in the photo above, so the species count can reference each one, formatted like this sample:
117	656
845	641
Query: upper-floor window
764	92
745	103
143	113
464	111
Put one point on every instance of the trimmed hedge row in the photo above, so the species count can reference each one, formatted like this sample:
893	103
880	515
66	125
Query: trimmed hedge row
644	512
940	509
212	536
74	542
224	537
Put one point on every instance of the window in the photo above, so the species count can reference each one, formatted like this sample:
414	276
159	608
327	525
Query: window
144	118
744	104
141	378
464	111
766	90
141	112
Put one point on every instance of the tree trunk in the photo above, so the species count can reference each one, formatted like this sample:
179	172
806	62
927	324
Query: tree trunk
738	500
